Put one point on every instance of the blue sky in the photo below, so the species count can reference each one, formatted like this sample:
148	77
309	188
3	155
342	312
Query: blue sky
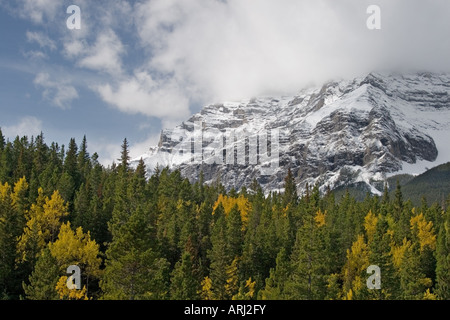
136	67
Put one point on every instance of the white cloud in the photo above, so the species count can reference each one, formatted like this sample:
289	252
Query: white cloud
42	39
35	55
39	10
27	126
59	92
142	94
140	148
104	55
237	49
108	152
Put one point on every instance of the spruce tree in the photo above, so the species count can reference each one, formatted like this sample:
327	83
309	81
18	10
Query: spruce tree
443	260
309	260
276	283
218	255
2	141
184	285
43	280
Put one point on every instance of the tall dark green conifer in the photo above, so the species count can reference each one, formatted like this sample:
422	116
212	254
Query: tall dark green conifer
218	255
443	260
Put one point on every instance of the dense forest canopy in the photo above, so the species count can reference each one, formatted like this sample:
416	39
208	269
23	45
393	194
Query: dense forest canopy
163	237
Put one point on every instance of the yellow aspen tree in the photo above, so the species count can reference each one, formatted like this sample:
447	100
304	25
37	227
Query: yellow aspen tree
76	248
68	294
42	226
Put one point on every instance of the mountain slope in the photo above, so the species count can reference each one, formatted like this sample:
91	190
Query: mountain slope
433	184
346	132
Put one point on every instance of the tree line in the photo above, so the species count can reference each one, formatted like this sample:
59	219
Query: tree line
164	237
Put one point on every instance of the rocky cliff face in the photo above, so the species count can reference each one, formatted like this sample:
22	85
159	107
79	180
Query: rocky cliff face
343	133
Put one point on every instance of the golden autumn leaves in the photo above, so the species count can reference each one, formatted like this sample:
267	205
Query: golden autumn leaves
44	229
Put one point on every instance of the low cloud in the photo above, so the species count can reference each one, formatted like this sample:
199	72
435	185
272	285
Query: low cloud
58	92
27	126
142	94
237	49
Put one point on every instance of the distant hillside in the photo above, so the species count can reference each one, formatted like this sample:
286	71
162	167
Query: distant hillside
433	184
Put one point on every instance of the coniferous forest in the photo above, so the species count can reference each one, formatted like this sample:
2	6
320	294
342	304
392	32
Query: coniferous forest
163	237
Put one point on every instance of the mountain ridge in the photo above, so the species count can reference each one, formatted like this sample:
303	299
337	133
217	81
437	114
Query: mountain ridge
361	130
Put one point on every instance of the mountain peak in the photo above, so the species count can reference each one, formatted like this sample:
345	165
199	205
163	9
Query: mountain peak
339	134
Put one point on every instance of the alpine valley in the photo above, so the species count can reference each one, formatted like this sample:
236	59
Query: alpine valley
345	134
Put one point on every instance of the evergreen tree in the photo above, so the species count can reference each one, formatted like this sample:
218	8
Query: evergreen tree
2	141
309	261
443	260
380	255
234	232
290	189
134	270
43	280
218	255
278	279
125	156
184	285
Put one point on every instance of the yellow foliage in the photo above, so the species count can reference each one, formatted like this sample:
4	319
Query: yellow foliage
251	287
70	294
43	222
424	231
206	290
5	192
349	295
398	252
320	218
370	225
429	296
20	188
357	262
229	202
231	286
76	248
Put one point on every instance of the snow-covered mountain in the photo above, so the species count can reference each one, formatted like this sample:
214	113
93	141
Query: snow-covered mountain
345	132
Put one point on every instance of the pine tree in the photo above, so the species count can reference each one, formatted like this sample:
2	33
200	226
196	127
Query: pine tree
234	232
134	270
443	260
380	255
83	161
72	179
278	279
125	156
43	280
413	282
218	255
309	260
2	141
184	285
290	190
13	208
8	222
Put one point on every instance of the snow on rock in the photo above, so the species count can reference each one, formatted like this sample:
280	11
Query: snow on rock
344	132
